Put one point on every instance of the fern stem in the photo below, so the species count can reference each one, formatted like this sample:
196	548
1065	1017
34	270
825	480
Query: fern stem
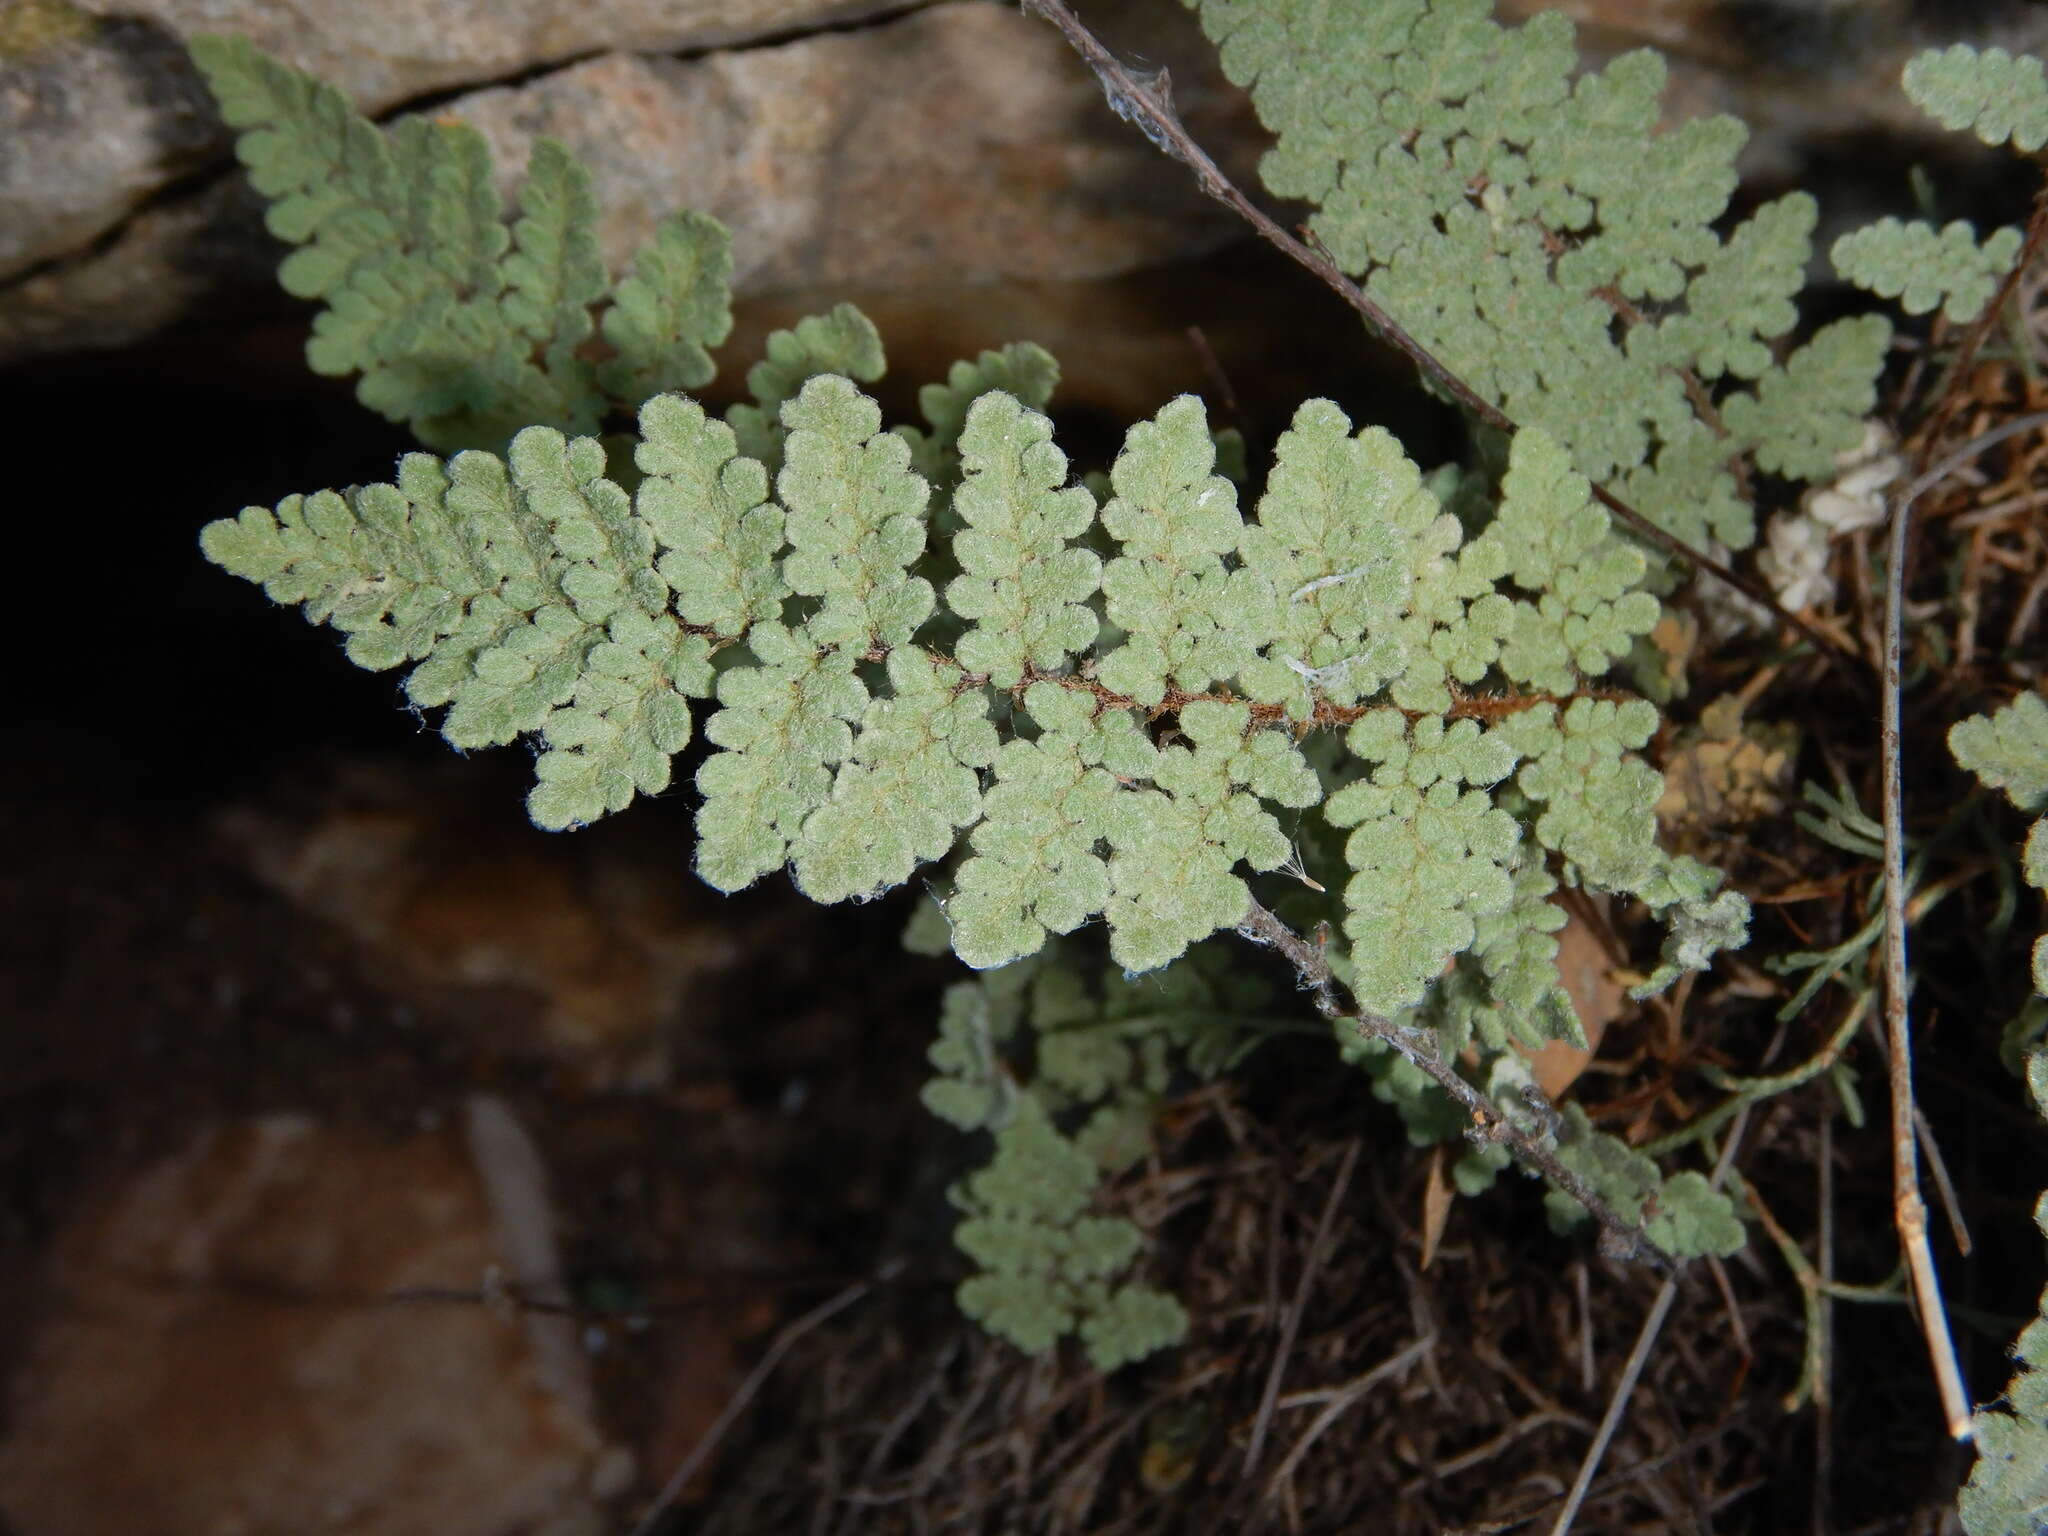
1312	968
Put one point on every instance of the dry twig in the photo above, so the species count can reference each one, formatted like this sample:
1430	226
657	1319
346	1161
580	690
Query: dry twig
1909	1212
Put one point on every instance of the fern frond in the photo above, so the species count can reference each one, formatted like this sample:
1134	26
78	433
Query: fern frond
1024	585
1187	621
674	307
1022	370
1589	280
2000	98
1923	267
1810	409
459	326
2008	750
1430	851
1048	1268
1683	1214
1555	543
527	591
841	341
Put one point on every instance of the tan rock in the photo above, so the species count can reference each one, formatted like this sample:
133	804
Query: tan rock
100	105
955	146
221	1354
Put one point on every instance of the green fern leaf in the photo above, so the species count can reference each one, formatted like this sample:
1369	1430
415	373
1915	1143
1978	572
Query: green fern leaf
1683	1215
2008	750
1024	586
842	341
1023	370
1187	621
856	518
2000	98
1171	872
459	326
1430	852
905	789
1341	530
710	508
1435	141
1555	542
1813	407
527	592
1034	866
1923	267
676	305
784	724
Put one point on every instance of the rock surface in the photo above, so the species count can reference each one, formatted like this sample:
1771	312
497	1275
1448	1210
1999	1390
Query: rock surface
100	106
220	1353
958	144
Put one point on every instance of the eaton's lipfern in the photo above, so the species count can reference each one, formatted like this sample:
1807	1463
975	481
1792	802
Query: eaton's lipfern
1593	296
1124	701
460	325
2007	1494
2002	100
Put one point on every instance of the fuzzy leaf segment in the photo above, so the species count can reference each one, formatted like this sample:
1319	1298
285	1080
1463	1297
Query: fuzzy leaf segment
460	323
2008	750
1530	225
2008	1487
1067	1066
1117	738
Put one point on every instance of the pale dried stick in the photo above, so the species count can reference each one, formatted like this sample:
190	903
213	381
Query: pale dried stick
1909	1212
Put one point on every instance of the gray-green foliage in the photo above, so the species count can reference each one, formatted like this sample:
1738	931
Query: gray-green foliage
2007	1493
1924	267
536	596
2008	750
1118	706
1595	299
2002	100
1032	1047
461	325
1988	92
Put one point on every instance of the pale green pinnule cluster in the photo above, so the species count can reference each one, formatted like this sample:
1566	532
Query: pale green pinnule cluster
1023	370
1048	1268
1034	865
1343	524
463	328
1682	1214
1584	609
1430	850
2008	1487
2001	98
1185	617
1590	288
708	504
1102	1048
841	341
909	784
1024	586
1926	268
528	591
2008	750
1175	847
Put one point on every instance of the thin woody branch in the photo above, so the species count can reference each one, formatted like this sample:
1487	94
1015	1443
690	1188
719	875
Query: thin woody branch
1312	968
